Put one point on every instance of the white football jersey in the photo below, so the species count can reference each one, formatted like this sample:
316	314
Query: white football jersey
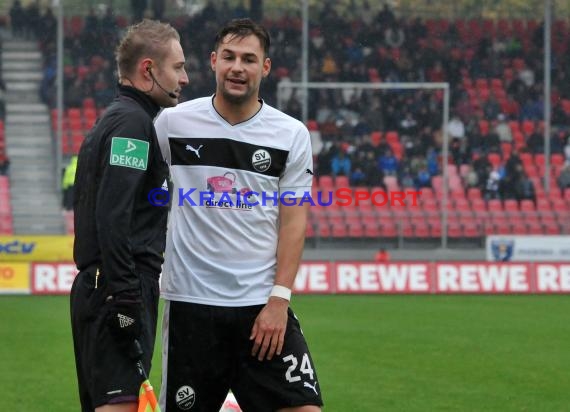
227	185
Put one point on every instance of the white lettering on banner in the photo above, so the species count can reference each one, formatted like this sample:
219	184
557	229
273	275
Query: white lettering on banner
52	278
482	278
386	278
552	278
313	277
346	277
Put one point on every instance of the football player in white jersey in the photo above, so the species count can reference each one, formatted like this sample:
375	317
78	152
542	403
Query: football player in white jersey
240	171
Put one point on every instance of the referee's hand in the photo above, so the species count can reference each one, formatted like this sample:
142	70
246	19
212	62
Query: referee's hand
124	318
268	332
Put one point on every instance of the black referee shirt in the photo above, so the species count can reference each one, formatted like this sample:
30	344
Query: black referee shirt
117	229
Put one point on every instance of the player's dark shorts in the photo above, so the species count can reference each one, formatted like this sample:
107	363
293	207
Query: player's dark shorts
209	352
105	372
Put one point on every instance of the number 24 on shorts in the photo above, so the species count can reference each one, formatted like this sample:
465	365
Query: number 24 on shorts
305	367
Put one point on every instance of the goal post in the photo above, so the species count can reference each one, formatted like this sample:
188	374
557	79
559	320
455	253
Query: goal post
285	90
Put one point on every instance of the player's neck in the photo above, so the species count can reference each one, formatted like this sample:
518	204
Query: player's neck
235	113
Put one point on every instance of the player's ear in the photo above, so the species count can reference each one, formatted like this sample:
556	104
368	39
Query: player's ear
266	67
213	59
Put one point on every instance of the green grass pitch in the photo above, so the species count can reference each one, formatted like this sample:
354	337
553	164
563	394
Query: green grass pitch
372	353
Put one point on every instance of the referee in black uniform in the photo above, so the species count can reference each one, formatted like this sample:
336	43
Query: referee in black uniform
120	234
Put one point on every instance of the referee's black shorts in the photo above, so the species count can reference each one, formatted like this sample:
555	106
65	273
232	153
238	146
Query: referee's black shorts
105	373
209	352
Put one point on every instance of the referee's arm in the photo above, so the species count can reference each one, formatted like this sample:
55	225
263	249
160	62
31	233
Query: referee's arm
118	192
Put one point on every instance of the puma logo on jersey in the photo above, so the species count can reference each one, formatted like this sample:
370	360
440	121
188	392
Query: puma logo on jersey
196	151
309	172
313	387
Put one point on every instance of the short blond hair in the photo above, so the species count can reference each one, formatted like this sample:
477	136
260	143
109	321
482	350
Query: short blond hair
145	39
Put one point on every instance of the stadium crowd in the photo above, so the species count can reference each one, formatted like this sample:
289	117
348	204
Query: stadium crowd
495	71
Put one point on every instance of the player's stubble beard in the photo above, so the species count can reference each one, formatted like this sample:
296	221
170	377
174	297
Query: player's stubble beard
238	99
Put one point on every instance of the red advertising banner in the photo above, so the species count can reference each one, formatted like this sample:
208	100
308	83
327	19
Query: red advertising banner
553	278
359	277
52	278
482	277
434	278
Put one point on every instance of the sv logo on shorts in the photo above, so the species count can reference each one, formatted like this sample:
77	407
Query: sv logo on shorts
185	397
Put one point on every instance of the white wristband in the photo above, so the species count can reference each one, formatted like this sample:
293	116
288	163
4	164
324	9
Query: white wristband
281	292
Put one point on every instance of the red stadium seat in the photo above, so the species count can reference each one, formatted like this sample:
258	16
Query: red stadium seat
341	182
511	205
527	205
326	182
471	229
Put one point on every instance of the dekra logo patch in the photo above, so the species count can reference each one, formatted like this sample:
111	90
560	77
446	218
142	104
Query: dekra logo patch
129	152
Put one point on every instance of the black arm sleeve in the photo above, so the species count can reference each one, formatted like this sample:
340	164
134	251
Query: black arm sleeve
118	192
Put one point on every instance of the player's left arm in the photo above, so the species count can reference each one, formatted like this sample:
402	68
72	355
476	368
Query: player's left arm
269	328
268	331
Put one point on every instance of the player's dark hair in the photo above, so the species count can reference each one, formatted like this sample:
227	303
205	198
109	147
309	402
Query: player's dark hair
241	28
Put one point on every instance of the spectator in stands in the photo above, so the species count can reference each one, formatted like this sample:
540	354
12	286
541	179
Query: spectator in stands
513	164
382	256
341	164
456	127
482	167
394	36
68	184
524	188
510	178
91	22
526	75
491	108
4	165
388	163
48	26
535	142
564	179
459	151
493	184
511	108
158	7
373	175
503	130
324	159
532	109
33	19
138	8
567	152
406	178
471	178
422	179
408	126
74	92
491	142
432	161
17	19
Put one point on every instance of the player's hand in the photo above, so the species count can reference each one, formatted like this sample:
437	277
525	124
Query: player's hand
124	318
268	332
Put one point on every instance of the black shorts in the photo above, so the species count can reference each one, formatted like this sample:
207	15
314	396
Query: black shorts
105	372
207	351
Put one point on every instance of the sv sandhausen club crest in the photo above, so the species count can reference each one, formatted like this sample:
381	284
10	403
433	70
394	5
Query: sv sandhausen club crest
261	160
